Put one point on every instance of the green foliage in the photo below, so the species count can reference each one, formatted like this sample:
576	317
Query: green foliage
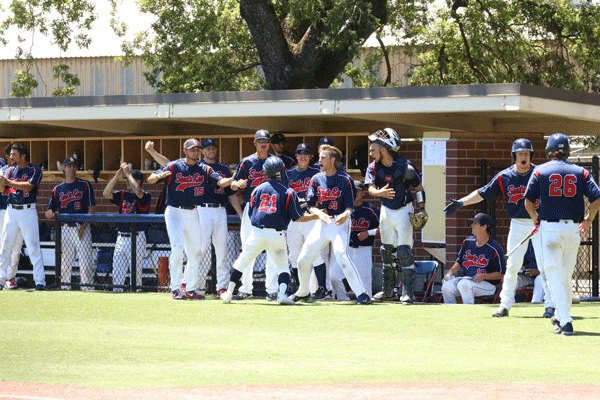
61	72
23	84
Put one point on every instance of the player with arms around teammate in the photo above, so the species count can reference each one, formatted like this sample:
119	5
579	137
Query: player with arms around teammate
278	146
391	177
23	178
331	197
511	184
272	206
185	188
134	200
560	187
74	196
481	259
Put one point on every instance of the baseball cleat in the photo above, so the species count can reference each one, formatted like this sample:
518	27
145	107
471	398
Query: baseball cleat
221	291
549	312
227	297
406	300
194	295
500	312
320	294
40	287
295	298
566	330
554	321
242	296
272	297
10	284
177	294
363	299
381	296
285	301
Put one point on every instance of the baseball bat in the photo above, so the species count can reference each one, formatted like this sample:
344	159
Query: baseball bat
530	234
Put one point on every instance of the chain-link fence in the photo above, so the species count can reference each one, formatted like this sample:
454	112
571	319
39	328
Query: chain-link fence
98	252
585	276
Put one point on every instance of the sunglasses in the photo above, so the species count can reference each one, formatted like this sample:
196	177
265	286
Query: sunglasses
263	141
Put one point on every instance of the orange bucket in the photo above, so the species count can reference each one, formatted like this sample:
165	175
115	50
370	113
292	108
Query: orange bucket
163	272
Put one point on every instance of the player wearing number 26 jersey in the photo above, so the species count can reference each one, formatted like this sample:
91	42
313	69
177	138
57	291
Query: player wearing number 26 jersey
560	187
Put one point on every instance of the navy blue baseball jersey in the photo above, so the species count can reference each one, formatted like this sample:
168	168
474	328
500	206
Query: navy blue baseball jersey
479	260
364	217
273	205
214	193
187	183
5	190
560	186
72	198
379	175
32	174
529	259
288	161
331	193
129	203
251	168
2	162
300	180
512	185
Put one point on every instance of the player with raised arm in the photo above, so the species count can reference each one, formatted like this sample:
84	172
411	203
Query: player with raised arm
511	183
331	197
272	206
391	177
560	186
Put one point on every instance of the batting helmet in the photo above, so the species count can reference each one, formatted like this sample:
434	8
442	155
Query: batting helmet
558	142
387	138
273	167
521	145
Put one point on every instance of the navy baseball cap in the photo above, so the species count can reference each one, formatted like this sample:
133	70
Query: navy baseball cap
483	219
326	140
359	185
208	142
137	175
262	134
304	148
188	144
69	160
277	138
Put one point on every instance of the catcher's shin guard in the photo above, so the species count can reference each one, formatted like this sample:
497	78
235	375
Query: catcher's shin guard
408	285
390	273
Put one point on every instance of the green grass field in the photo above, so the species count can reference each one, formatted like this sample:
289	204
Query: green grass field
105	339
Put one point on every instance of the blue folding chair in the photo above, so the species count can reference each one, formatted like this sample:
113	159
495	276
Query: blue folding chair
425	277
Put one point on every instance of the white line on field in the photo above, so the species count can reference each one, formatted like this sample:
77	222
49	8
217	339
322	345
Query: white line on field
10	396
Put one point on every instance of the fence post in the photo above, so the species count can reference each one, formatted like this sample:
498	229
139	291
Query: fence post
57	251
132	282
595	238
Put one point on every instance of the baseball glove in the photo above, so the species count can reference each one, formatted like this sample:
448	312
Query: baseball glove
418	221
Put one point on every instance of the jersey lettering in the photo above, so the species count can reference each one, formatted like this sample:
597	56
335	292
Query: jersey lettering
474	260
300	185
514	194
333	205
328	194
185	182
562	186
360	225
257	177
127	207
264	205
65	198
199	191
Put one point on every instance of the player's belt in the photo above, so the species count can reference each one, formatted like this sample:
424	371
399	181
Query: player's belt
23	206
210	205
185	208
125	234
354	246
566	221
72	224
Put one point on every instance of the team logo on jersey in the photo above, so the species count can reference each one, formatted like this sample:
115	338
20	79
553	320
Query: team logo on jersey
256	177
127	207
185	182
474	260
66	197
514	194
328	194
360	224
300	185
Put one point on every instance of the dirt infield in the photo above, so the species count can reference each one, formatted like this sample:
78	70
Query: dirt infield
421	391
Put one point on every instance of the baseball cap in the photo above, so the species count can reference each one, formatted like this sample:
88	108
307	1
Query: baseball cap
359	185
483	219
208	142
191	143
262	134
326	140
304	148
277	138
137	175
69	160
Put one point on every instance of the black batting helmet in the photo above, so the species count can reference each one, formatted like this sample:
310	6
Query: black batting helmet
521	145
558	142
273	167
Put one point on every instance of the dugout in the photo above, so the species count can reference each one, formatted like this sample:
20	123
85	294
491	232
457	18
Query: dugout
446	132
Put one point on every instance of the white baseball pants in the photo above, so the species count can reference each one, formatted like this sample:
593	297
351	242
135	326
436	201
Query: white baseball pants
71	246
13	266
185	233
214	227
538	290
395	227
560	244
363	259
122	263
24	222
467	289
319	237
262	239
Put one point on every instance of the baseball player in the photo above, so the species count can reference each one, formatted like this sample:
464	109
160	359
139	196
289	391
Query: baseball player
391	177
365	226
278	146
511	184
186	185
74	196
331	197
213	215
11	272
530	275
272	206
134	200
23	178
251	170
482	261
560	187
299	178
